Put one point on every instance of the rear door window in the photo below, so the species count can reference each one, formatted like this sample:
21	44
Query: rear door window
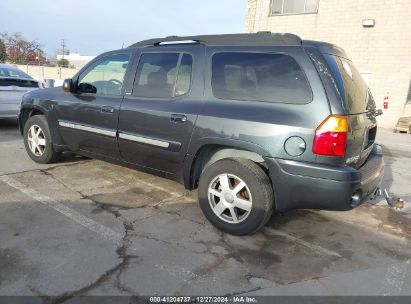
163	75
259	76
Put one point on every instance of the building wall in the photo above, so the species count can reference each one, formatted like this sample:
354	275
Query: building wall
42	72
76	60
383	51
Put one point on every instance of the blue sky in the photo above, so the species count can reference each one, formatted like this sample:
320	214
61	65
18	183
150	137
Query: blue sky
94	26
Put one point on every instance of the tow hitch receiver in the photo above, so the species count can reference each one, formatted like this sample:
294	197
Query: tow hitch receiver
394	202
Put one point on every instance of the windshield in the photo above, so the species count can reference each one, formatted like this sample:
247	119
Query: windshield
12	72
352	86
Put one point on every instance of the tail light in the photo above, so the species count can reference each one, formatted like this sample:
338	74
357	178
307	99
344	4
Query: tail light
331	136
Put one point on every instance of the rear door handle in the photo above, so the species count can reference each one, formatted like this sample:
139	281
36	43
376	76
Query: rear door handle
178	118
107	109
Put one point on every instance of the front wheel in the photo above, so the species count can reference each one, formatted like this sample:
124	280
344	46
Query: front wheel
37	140
236	196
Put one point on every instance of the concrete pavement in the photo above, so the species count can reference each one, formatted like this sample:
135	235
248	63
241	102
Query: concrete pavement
85	227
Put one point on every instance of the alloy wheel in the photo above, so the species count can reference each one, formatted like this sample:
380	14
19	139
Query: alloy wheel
230	198
36	140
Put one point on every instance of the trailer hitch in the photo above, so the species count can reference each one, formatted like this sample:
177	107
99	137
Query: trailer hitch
392	201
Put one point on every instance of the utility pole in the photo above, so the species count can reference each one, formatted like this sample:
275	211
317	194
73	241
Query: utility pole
63	45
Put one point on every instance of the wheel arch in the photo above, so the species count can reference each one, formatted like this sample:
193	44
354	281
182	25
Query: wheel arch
210	153
28	111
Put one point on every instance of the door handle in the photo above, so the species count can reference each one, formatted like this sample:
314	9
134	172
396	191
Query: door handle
178	118
107	109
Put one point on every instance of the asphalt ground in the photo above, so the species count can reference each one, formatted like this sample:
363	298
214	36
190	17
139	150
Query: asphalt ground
86	227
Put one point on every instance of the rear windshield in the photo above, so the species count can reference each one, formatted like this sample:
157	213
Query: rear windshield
4	82
10	72
259	76
352	86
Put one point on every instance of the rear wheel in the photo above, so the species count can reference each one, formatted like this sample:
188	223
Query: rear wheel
236	196
37	140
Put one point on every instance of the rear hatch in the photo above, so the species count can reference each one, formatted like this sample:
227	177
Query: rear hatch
360	107
12	89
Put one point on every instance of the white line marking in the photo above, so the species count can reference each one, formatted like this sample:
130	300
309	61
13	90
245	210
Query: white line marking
302	242
105	232
176	194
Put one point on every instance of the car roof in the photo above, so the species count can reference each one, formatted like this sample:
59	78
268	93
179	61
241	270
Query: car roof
255	39
9	66
325	47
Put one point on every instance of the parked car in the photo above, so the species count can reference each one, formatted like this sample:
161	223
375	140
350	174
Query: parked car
257	122
14	83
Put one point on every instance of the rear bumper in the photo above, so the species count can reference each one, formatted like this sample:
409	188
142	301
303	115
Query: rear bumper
9	110
300	185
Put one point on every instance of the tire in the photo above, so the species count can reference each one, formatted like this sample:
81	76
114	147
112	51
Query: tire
216	198
38	145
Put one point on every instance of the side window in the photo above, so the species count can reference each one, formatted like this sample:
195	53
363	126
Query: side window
105	75
259	76
159	75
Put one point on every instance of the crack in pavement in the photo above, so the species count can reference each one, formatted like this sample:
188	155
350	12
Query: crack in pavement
106	276
124	243
114	209
46	169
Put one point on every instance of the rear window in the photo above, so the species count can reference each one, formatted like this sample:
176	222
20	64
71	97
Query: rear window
353	87
4	82
259	76
15	73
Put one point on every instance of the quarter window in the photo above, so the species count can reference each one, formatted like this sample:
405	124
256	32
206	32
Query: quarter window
259	76
163	75
106	74
284	7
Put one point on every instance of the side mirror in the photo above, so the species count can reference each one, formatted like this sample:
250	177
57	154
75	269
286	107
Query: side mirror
85	87
68	85
378	112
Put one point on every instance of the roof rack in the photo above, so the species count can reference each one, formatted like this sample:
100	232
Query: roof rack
259	38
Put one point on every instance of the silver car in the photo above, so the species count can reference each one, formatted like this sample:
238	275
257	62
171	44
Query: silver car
14	83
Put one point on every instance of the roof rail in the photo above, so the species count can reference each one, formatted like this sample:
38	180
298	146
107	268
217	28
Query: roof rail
257	39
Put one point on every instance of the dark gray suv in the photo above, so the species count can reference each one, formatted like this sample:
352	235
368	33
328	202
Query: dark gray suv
257	122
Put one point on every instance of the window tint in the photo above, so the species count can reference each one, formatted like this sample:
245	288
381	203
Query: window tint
157	75
259	76
280	7
107	74
15	73
357	94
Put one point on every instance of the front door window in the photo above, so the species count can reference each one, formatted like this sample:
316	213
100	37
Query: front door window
105	76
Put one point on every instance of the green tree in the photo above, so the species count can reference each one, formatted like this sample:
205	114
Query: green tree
63	63
3	53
